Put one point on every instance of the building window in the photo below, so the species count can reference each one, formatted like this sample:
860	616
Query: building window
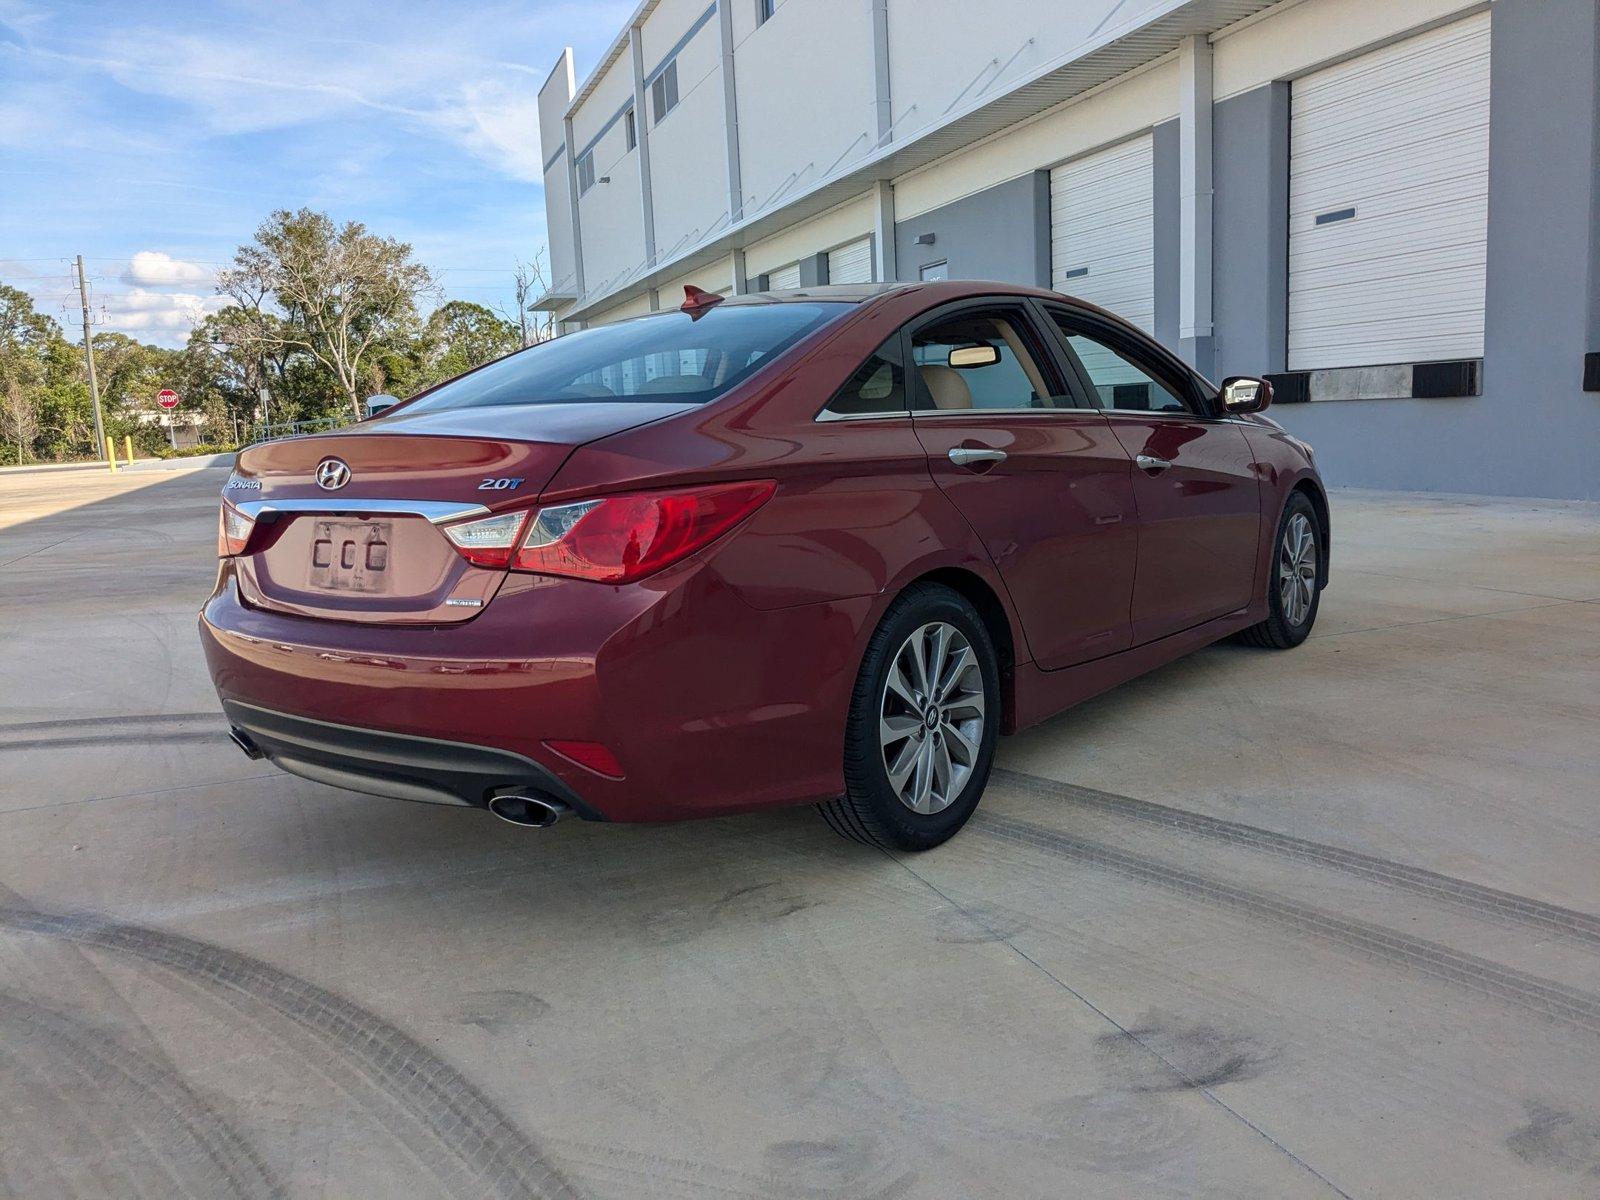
664	91
629	129
585	173
764	10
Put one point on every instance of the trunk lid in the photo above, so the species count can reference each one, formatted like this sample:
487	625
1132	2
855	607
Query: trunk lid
371	548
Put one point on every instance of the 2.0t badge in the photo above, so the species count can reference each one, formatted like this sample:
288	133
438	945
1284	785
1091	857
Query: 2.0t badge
332	474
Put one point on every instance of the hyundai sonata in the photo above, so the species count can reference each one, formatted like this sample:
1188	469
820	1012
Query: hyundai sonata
810	547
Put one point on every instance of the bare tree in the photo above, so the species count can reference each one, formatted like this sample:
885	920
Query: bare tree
340	293
536	326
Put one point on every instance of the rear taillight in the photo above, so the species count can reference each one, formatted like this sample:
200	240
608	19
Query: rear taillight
233	531
488	542
622	538
616	539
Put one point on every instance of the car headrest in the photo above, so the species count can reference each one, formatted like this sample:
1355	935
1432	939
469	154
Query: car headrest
946	386
587	389
674	383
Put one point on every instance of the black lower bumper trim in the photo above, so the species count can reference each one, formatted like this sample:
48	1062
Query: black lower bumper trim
397	765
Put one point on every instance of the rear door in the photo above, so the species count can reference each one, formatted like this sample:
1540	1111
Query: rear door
1036	471
1194	477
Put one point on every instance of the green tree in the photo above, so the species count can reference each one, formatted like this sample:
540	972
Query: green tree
336	293
44	399
461	335
25	336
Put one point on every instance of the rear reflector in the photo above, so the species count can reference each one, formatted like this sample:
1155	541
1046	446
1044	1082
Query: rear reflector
233	531
487	542
593	755
619	539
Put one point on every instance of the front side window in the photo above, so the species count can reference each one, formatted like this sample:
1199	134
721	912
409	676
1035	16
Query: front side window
630	130
764	10
878	388
982	360
585	173
664	91
1118	381
667	356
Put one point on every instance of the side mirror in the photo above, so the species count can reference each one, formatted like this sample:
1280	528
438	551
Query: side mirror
376	404
973	356
1242	394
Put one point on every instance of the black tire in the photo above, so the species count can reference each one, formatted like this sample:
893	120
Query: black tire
1279	631
871	811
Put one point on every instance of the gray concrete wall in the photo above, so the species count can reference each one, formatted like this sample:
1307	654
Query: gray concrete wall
1250	232
1534	431
1168	200
814	269
1002	232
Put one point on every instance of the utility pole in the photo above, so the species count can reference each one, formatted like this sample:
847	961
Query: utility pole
88	357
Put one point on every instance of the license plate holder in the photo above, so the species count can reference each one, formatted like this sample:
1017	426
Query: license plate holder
351	556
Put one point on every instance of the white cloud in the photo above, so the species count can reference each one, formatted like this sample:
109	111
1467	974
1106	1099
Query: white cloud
141	312
471	76
499	123
152	268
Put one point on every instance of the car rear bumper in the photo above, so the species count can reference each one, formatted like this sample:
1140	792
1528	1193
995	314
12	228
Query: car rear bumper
396	765
709	705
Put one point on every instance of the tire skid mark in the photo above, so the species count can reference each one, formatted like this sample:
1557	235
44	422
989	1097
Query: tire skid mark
503	1160
35	1172
112	739
148	1097
126	719
1546	997
1475	898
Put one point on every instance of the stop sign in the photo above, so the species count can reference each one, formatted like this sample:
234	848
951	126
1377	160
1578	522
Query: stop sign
167	398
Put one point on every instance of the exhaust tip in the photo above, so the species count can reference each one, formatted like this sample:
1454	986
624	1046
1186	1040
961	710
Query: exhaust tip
531	812
242	740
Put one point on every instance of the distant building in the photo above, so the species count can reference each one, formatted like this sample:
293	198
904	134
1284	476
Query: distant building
1392	207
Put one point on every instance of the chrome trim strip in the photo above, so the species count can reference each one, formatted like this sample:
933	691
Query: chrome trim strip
437	511
1000	412
965	413
829	415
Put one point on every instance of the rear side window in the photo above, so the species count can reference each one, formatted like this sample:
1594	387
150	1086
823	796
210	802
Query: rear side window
982	360
667	356
878	388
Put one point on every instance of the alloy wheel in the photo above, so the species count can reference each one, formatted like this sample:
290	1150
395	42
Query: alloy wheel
1297	569
931	718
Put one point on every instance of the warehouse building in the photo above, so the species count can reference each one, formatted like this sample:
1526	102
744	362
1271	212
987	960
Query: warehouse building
1389	207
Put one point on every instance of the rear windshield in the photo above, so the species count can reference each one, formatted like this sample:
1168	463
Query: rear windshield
667	356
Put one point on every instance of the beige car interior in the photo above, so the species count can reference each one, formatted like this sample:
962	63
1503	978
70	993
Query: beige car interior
945	383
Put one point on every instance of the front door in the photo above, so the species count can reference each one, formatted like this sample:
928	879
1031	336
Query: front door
1194	480
1040	476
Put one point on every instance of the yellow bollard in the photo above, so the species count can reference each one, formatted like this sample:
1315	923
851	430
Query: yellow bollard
127	447
111	454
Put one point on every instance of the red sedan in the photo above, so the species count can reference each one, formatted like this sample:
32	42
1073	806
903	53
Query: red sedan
812	547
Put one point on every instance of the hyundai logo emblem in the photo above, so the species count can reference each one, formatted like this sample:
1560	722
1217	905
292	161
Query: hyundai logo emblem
332	474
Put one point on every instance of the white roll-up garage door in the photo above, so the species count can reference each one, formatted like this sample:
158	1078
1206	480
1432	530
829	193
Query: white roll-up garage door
1388	203
784	278
851	263
1102	230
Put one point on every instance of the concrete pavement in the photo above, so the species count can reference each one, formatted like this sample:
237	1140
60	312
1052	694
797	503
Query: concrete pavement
1316	923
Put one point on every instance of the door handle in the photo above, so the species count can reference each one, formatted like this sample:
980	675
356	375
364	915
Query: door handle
1148	462
965	456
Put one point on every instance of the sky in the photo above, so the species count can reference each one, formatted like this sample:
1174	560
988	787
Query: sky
154	137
